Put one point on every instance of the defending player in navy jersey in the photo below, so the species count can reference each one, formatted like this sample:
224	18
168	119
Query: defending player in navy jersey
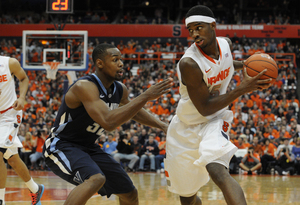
90	106
197	144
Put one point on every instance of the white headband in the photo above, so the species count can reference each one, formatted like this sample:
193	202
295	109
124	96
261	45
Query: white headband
199	18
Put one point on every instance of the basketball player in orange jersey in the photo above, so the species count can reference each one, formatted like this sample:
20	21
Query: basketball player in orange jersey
198	145
10	120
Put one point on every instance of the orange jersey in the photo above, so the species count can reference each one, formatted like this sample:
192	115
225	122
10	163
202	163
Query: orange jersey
258	149
271	149
27	145
40	144
270	117
250	159
242	146
162	151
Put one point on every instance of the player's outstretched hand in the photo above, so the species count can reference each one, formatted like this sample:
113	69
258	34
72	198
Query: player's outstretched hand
159	89
254	83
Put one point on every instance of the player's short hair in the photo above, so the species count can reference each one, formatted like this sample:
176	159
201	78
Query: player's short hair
200	10
100	51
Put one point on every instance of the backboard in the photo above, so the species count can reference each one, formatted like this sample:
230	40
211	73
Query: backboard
67	47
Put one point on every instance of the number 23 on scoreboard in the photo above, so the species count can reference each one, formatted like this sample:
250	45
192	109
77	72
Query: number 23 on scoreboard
59	6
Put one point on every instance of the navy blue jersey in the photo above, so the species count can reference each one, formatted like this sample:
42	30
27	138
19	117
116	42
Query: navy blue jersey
75	125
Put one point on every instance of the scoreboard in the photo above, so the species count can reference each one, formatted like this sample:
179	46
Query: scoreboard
59	6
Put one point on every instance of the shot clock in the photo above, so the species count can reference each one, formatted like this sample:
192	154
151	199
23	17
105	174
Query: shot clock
59	6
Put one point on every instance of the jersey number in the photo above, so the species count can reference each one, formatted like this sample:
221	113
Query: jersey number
19	119
225	126
95	128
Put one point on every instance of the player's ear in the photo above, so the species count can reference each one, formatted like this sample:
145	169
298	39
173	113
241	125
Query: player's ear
213	25
99	63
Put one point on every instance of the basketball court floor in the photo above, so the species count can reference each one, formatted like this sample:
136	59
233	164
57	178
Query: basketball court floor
152	188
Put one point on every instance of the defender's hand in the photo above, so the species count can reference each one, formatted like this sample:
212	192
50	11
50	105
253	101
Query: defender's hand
159	89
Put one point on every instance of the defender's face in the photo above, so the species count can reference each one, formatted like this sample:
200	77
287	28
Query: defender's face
113	64
202	33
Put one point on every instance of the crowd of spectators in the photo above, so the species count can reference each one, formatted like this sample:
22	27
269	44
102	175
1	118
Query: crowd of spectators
251	12
267	118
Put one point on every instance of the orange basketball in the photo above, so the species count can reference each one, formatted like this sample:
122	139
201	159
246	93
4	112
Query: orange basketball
259	62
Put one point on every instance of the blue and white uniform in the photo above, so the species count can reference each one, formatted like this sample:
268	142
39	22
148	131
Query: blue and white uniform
70	150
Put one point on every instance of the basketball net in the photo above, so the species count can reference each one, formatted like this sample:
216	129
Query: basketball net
51	69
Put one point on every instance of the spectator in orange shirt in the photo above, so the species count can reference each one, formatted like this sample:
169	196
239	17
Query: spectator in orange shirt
120	45
232	136
256	98
249	102
284	102
278	83
294	140
11	49
254	110
38	143
171	99
269	116
164	110
258	117
155	45
280	44
251	51
270	131
251	161
241	117
162	154
237	79
157	108
274	99
157	138
294	101
245	140
283	133
34	56
257	147
259	49
269	154
55	105
40	108
240	142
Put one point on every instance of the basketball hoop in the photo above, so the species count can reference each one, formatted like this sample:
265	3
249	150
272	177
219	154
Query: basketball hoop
51	69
